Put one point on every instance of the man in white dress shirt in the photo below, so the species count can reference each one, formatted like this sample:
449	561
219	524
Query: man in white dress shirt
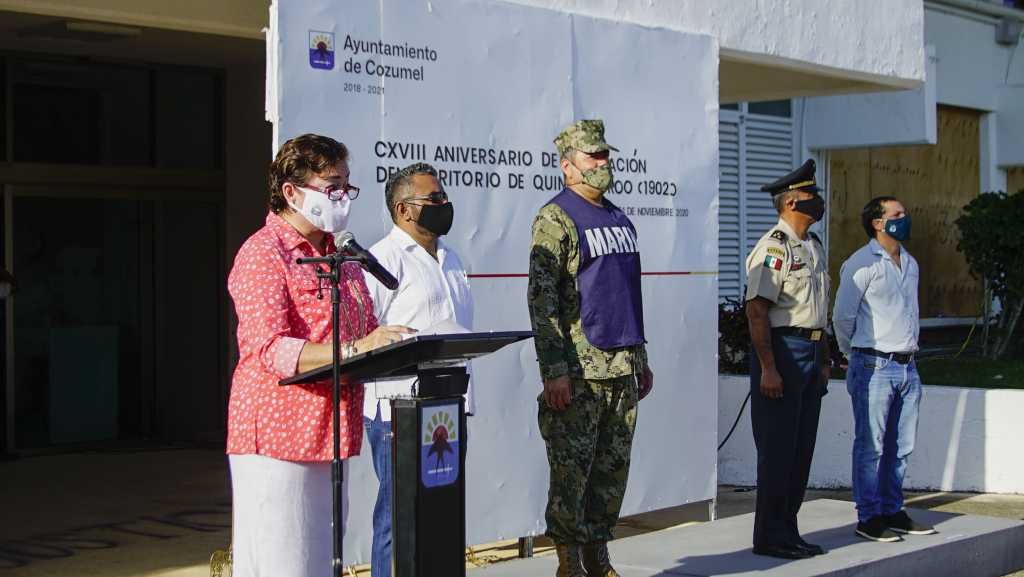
876	322
432	288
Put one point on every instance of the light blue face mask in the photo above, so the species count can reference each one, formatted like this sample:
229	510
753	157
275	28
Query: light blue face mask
898	228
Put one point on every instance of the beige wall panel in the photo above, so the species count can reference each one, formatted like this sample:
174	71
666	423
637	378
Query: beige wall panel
934	182
1015	179
243	18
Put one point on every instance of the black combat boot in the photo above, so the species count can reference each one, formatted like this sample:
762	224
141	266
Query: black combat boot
596	562
569	561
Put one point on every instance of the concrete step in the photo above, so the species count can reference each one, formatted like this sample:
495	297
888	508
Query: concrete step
966	545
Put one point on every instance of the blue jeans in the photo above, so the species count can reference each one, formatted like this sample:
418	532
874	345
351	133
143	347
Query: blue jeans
886	396
378	434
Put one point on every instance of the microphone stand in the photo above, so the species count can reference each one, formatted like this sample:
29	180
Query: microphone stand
333	276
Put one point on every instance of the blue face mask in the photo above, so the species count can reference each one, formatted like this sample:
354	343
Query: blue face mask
898	228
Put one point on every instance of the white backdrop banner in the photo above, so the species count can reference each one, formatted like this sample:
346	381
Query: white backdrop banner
480	90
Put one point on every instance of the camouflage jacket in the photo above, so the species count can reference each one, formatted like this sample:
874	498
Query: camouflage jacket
554	302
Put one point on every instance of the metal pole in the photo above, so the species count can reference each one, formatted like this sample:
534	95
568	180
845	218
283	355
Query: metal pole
986	303
525	547
337	473
333	276
983	7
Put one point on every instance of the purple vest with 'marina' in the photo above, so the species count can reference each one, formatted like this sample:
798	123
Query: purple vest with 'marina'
608	279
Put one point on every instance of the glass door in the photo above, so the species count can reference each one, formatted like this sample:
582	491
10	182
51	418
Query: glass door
117	323
78	319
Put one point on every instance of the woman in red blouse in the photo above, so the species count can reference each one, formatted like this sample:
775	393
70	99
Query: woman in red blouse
279	438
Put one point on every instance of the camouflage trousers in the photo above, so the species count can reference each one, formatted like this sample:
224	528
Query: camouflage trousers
588	446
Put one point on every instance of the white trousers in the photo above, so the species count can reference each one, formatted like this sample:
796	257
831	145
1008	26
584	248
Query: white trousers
281	517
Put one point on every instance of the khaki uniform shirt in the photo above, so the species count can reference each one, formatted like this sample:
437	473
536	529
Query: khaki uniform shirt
554	304
793	275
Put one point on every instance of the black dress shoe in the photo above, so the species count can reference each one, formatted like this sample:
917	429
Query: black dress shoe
783	552
810	547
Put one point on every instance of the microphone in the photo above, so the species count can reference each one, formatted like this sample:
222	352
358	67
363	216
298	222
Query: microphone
347	245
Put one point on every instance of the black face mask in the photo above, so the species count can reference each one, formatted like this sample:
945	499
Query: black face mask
437	218
813	207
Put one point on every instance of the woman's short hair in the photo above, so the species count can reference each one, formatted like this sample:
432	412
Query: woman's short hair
298	161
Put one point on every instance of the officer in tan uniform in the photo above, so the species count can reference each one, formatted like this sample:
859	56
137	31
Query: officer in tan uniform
787	304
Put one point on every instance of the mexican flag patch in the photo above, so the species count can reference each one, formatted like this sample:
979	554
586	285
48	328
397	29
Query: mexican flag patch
773	262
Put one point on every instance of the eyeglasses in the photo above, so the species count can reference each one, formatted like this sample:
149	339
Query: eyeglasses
335	192
436	197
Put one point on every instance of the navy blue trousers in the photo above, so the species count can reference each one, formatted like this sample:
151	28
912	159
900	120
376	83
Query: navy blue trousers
785	431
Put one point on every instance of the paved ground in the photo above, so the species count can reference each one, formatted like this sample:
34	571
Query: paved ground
965	545
162	514
114	514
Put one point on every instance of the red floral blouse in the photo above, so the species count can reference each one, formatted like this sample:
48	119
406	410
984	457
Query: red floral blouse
278	311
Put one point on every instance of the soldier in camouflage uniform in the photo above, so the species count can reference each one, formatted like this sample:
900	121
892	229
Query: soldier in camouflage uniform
586	311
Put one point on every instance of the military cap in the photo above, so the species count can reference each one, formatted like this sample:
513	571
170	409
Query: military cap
800	179
585	136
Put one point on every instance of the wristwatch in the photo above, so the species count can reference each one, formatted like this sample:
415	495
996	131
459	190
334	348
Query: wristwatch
348	350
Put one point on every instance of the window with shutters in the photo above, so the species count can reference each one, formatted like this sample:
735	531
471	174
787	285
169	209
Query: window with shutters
755	147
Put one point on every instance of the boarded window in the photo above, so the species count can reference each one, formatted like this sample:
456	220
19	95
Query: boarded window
1015	180
934	182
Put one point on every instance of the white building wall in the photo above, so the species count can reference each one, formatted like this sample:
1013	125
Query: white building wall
878	119
1010	123
866	40
965	53
966	68
974	71
967	439
875	40
992	177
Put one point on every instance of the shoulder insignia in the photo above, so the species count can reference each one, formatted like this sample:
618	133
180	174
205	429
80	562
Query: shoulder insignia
779	235
775	251
815	237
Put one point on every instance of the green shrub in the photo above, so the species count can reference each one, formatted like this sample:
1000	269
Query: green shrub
733	337
992	241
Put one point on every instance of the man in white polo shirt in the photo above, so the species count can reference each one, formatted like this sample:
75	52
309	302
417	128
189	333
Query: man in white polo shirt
433	288
876	322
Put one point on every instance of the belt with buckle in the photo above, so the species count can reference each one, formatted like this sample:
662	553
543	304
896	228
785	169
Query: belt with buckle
901	358
809	334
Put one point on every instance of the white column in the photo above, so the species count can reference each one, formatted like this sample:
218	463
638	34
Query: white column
992	177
